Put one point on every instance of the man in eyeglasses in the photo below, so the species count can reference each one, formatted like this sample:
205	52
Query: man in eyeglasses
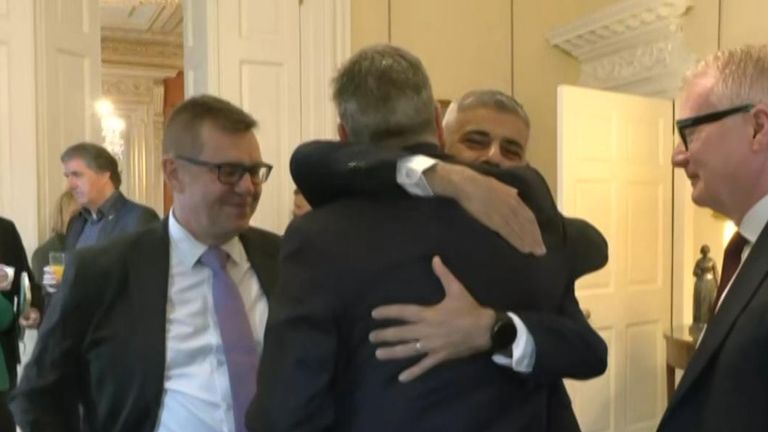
723	129
162	330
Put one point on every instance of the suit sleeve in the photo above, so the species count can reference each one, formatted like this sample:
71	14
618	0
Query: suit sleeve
50	389
325	171
298	361
566	345
18	246
146	218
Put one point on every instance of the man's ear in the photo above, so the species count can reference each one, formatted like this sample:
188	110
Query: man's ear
439	127
760	133
342	131
171	174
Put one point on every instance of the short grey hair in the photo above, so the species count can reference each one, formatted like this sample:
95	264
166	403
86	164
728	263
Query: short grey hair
490	99
740	74
383	93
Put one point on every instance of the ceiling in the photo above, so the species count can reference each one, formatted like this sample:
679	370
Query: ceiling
145	16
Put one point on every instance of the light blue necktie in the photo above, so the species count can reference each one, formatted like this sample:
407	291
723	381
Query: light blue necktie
240	348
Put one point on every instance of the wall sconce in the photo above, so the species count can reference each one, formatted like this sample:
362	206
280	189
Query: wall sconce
112	127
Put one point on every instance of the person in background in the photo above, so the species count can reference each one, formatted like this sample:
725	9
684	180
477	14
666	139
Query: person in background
105	213
300	204
65	208
13	262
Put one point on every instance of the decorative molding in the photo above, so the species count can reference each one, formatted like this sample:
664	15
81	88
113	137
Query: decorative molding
634	46
142	50
139	101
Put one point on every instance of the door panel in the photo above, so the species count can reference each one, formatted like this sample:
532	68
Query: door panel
18	153
614	171
69	60
248	53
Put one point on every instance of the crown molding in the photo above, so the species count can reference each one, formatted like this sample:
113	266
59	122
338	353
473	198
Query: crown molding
144	50
634	46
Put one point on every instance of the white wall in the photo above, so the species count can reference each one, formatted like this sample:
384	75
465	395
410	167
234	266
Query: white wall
18	141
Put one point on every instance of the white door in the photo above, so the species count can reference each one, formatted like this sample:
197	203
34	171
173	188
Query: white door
69	71
614	170
18	152
253	61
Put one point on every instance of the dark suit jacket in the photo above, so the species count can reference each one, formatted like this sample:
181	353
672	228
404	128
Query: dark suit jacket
102	344
12	253
725	386
326	171
340	261
124	217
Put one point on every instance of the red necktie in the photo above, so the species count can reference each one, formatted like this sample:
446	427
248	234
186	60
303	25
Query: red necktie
731	261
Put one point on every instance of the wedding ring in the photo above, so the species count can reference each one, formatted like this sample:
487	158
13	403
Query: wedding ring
418	346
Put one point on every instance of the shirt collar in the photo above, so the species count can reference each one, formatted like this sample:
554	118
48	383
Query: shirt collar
755	220
189	249
106	208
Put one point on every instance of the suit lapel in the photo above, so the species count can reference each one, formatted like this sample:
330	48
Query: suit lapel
743	288
263	263
149	268
74	229
111	218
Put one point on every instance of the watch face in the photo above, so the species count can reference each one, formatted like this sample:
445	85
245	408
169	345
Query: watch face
504	333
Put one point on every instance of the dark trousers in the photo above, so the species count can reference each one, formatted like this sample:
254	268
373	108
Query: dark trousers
6	418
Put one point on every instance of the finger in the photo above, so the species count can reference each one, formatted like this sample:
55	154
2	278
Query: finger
451	285
420	368
401	312
401	351
404	333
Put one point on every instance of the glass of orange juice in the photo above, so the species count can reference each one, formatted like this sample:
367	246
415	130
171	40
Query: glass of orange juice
56	261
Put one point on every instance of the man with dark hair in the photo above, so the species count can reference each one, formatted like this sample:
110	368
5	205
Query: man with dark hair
161	330
93	177
487	126
340	261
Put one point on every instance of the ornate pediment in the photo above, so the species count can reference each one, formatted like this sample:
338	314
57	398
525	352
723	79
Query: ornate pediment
633	46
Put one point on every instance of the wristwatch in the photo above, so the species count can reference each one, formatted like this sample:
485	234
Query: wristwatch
503	332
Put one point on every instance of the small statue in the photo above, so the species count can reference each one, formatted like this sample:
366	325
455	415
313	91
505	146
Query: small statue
704	291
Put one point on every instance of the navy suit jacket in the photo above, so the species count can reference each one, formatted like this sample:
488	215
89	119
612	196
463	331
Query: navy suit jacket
102	344
124	217
725	386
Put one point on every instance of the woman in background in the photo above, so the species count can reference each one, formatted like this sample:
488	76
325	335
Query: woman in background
63	210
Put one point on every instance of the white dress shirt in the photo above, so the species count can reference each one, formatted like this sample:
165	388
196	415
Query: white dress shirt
196	394
523	350
751	226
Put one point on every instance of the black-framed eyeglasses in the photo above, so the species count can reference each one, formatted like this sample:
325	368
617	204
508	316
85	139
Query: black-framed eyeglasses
230	174
688	123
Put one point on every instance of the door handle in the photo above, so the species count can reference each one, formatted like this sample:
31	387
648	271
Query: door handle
587	314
